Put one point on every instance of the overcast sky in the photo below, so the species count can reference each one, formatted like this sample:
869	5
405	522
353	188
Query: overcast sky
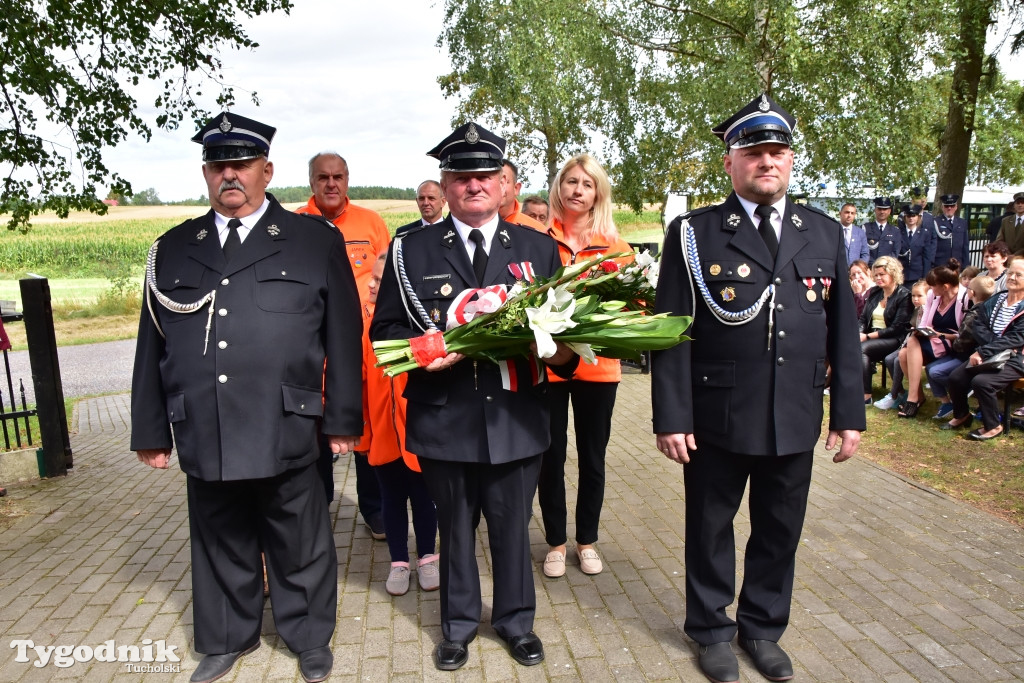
359	78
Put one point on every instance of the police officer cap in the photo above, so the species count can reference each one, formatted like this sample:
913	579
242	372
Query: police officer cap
761	121
883	203
1019	197
912	210
230	137
949	199
470	147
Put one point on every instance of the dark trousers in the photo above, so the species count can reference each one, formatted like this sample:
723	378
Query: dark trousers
872	351
715	480
504	494
986	384
592	405
400	485
231	522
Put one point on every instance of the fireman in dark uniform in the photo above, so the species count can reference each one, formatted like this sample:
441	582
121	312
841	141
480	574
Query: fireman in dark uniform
243	305
766	281
884	238
951	238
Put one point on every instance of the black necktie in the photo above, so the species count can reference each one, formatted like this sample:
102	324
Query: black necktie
233	242
479	255
766	229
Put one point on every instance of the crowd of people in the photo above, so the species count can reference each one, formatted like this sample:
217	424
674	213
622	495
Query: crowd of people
951	328
255	364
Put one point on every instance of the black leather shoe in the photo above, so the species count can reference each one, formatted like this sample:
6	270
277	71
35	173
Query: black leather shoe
315	665
213	667
450	654
526	649
978	434
770	659
718	663
966	423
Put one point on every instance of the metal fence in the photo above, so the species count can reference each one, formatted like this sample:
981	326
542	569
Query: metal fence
13	421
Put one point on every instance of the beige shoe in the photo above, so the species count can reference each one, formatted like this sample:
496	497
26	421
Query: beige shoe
398	580
554	564
590	562
428	573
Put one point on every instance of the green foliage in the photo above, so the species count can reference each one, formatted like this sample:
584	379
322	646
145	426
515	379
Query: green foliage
869	82
147	197
539	72
67	78
997	151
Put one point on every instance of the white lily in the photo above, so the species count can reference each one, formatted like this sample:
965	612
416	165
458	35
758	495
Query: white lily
552	317
585	352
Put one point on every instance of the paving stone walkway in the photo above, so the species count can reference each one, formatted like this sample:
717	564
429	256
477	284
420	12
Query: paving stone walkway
894	582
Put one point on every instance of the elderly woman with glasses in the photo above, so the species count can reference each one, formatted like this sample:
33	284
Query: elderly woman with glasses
885	321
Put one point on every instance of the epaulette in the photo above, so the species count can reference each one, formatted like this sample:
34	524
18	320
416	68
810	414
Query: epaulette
413	230
696	212
319	220
815	210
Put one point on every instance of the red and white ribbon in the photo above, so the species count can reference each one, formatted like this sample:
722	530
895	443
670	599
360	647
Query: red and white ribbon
473	302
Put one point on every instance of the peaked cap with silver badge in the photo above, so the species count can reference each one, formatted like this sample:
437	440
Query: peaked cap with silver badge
470	147
762	121
230	137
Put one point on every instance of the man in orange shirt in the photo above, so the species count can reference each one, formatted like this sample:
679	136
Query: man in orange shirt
365	235
509	209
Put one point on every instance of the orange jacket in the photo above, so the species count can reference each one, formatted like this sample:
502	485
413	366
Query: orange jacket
519	218
365	234
383	406
607	369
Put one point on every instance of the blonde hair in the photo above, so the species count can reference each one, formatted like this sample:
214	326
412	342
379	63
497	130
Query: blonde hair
891	266
601	222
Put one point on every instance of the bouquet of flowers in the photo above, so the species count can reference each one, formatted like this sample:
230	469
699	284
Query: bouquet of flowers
595	307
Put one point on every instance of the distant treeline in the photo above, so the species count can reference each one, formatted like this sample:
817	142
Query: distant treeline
299	193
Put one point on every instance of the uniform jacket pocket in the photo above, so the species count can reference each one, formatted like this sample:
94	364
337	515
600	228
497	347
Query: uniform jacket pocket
301	400
176	407
281	289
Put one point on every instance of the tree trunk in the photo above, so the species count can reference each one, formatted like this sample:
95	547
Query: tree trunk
955	143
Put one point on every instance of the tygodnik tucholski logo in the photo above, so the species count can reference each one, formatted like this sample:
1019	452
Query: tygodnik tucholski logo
148	657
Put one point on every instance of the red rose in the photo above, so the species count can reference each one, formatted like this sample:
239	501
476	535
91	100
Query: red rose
609	266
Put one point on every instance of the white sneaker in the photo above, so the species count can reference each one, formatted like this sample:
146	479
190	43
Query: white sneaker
887	402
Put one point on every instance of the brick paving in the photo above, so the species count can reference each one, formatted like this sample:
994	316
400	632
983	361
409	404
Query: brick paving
895	582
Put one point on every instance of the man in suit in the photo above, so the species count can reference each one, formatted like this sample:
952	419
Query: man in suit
853	235
951	238
918	244
430	202
743	400
478	434
242	307
1012	229
883	237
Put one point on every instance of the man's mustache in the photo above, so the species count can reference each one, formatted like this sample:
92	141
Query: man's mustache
230	185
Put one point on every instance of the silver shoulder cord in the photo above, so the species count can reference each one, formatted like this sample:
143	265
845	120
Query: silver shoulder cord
410	296
692	260
935	227
170	305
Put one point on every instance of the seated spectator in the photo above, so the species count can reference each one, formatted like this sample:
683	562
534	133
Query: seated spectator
885	320
931	339
397	470
896	396
979	291
996	363
996	257
536	208
860	282
968	274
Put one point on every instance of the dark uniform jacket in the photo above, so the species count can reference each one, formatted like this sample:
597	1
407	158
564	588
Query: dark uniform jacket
884	241
917	252
732	386
1012	234
951	241
249	407
463	414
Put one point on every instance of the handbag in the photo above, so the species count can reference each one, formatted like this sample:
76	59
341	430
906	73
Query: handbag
996	361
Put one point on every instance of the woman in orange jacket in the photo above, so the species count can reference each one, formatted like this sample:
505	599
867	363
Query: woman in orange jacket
581	223
397	470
